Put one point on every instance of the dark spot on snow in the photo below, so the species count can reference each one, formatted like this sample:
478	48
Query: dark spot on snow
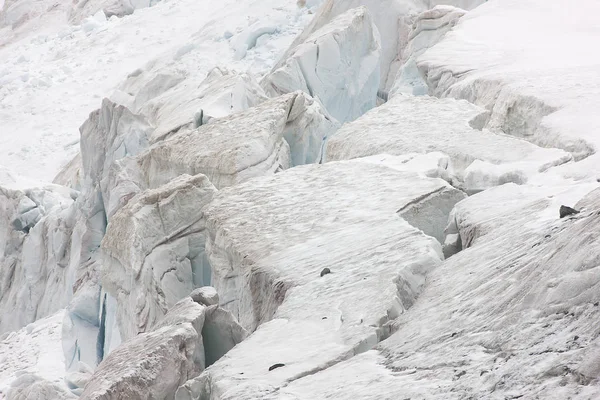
454	334
566	211
576	337
325	271
324	318
275	366
461	373
597	304
547	237
483	372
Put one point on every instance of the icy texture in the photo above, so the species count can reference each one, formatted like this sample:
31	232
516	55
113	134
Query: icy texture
534	340
337	64
206	295
244	145
169	102
53	74
32	387
71	174
33	350
35	227
532	91
154	364
267	255
152	255
428	29
407	124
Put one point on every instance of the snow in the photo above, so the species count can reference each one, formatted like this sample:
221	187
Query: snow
367	274
65	71
34	349
268	256
533	91
479	159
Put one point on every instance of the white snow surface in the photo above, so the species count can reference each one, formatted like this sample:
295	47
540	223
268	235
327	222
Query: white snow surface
478	158
514	70
51	79
34	349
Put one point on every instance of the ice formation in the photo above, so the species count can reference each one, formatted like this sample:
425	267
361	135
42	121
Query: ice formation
299	200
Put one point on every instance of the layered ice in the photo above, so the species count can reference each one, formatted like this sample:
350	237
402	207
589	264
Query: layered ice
320	282
534	92
154	364
534	340
152	257
479	158
337	64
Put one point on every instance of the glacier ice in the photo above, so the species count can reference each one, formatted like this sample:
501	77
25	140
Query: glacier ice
152	257
530	90
337	64
480	159
347	222
428	28
178	347
534	340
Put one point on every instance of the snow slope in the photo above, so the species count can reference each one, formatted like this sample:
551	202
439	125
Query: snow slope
538	76
49	83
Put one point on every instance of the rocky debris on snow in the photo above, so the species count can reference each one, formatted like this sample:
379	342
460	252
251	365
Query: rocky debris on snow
154	364
565	211
33	387
427	30
153	256
269	278
337	64
480	159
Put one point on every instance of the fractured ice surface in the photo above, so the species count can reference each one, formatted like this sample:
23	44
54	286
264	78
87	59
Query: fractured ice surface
152	257
536	339
270	238
337	64
407	124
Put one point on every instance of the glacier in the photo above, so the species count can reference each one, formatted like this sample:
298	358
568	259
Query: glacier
310	199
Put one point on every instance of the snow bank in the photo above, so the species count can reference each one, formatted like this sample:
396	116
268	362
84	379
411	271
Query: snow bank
33	350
